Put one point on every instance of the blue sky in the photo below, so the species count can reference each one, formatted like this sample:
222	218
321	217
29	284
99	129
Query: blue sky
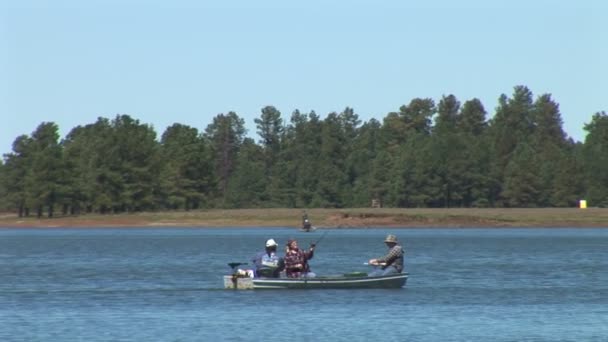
163	62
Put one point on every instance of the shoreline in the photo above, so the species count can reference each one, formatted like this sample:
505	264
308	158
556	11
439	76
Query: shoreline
355	218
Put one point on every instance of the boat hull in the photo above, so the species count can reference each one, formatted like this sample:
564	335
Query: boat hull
337	282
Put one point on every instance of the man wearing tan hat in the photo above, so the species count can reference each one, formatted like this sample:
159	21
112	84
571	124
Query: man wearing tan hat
392	262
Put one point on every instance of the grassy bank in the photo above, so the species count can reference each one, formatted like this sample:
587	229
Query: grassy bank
333	218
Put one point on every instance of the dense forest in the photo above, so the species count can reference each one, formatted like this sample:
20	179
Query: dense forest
426	154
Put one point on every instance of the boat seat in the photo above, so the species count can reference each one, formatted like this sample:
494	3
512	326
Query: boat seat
265	273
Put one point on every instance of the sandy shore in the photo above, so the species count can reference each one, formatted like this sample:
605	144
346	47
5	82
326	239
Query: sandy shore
331	218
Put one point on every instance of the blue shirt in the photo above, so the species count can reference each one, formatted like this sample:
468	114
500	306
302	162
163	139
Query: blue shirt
264	261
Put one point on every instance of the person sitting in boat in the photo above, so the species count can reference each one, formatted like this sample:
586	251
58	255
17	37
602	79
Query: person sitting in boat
267	263
296	260
392	262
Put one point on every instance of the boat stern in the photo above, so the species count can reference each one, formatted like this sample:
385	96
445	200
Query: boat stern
238	283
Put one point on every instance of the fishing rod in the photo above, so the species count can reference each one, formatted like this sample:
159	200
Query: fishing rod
377	264
314	244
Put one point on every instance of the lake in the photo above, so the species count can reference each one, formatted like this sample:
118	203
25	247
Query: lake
165	284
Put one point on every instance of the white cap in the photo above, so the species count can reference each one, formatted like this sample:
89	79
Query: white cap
271	243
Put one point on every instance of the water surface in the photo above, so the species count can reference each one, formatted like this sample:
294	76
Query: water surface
165	284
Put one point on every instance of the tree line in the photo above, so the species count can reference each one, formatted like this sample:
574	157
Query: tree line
426	154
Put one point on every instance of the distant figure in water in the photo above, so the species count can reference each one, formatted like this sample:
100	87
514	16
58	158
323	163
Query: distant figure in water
305	222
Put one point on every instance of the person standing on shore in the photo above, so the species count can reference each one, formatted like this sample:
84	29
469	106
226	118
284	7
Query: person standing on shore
392	262
296	260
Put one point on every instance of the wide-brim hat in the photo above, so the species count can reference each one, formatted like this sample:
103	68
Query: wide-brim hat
271	243
391	238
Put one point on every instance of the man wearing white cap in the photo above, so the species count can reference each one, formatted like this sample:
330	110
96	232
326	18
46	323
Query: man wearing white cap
267	263
392	262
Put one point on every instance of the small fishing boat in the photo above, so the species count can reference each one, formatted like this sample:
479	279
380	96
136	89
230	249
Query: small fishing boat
356	280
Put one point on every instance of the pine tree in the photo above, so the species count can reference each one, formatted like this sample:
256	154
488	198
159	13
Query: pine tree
16	168
332	176
475	157
523	182
512	125
187	174
225	136
368	176
247	187
595	154
550	141
447	150
43	180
